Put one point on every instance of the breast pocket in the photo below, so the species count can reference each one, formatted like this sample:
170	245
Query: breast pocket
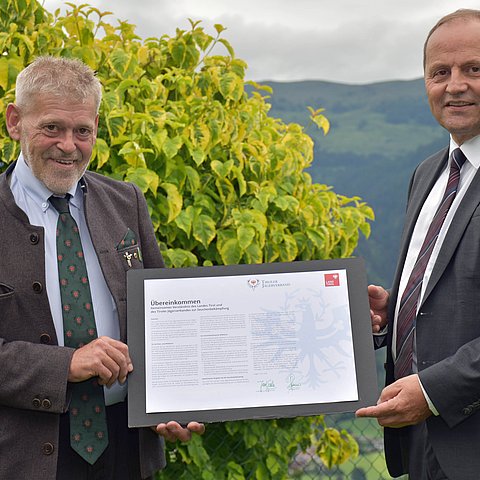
8	310
129	251
131	257
6	291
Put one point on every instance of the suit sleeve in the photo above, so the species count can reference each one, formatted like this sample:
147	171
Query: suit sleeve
34	376
453	384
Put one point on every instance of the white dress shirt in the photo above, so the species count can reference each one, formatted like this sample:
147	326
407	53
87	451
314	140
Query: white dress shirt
31	195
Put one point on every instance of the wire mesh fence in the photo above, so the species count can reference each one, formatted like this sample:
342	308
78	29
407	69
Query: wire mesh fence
307	465
368	465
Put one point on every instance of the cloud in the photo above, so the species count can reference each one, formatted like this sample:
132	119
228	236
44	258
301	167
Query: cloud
348	41
352	52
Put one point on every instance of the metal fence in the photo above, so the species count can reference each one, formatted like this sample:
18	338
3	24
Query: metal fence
369	465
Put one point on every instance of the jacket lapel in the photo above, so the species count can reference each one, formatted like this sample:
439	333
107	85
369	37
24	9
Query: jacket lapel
422	182
455	232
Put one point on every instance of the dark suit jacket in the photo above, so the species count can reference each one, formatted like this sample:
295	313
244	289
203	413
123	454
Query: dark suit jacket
447	332
33	368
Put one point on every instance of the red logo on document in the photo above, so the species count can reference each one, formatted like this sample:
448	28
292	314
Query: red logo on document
332	280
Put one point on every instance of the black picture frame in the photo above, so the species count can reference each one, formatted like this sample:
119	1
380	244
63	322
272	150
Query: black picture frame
362	338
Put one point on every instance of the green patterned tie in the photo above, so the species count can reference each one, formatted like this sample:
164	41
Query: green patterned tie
88	424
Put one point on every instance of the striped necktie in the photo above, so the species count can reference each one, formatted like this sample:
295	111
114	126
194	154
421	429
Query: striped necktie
407	313
88	427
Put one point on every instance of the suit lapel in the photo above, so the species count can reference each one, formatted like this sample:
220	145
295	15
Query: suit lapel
425	178
422	182
455	232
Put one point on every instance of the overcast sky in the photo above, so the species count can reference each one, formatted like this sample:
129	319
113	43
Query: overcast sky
347	41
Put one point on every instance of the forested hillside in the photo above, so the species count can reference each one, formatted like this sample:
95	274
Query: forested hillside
379	133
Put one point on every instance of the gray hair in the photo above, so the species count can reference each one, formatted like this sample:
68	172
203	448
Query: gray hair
463	13
59	76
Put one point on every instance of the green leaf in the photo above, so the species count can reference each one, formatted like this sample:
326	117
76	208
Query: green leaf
206	475
133	154
231	86
193	179
178	49
317	237
116	124
272	464
178	258
204	229
198	156
200	136
365	229
197	452
222	169
219	28
10	67
253	253
286	202
175	172
261	473
227	45
122	62
242	184
250	439
185	219
235	471
245	236
319	119
157	139
230	251
174	200
202	39
289	251
10	151
144	178
172	146
125	85
101	152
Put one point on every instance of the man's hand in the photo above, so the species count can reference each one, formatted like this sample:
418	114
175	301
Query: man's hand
400	404
173	431
105	358
378	299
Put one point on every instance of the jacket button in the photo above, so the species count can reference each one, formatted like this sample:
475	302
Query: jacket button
46	403
36	402
34	238
37	287
45	338
48	448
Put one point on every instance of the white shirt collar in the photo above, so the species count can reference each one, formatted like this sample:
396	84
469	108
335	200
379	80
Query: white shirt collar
470	148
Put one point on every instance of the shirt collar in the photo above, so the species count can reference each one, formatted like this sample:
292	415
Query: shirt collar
36	189
470	148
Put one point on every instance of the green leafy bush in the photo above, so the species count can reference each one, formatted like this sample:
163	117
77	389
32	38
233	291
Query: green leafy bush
225	184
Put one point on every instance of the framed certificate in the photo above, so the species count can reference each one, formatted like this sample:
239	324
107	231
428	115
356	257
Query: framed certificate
238	342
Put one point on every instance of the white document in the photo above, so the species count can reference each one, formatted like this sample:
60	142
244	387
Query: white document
248	341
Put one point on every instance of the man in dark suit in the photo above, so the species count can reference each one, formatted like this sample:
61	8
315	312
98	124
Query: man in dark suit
55	119
430	406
